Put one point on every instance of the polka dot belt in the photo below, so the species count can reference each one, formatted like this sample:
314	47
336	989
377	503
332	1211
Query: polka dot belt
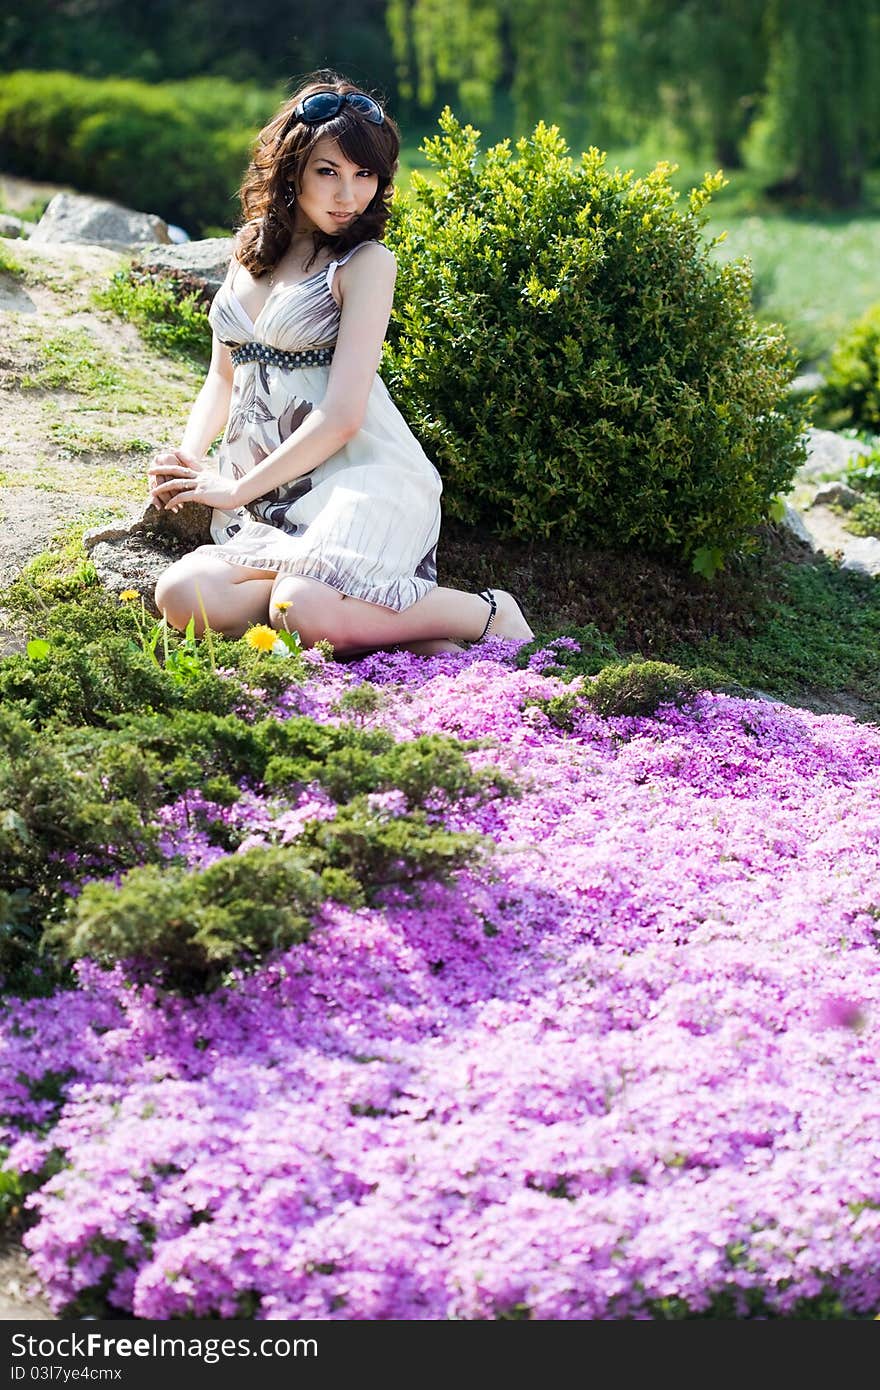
262	352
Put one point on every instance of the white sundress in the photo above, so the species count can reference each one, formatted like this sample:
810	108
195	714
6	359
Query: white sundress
367	520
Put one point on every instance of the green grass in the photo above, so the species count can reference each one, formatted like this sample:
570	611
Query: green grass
78	438
73	362
9	264
819	635
176	325
813	274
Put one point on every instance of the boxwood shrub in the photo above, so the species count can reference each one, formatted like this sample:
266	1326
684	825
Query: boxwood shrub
575	361
851	394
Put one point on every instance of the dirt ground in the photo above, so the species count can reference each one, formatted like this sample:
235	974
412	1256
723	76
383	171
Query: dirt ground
84	402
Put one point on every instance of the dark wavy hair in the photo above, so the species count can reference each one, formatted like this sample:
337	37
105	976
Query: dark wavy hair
273	177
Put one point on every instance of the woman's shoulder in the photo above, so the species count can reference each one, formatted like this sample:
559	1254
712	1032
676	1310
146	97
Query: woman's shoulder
372	253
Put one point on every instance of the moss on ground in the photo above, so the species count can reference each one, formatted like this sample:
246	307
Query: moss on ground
783	620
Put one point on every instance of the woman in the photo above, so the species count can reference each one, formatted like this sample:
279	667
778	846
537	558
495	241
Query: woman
326	508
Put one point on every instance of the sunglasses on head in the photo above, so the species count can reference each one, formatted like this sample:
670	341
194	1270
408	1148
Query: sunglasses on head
323	106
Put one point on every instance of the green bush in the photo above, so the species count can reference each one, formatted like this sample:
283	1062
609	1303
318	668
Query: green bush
579	367
195	926
82	802
864	518
636	687
640	687
863	472
176	149
851	394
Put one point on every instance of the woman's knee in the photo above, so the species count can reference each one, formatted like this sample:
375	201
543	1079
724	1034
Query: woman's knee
174	587
193	589
306	606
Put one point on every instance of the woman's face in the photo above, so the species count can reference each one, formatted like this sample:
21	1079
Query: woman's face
333	192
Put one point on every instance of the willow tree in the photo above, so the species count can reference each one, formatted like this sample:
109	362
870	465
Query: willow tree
822	108
447	41
696	69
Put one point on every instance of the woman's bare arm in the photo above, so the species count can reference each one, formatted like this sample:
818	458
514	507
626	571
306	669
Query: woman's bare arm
210	409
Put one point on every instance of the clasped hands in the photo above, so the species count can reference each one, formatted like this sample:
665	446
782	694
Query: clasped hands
177	477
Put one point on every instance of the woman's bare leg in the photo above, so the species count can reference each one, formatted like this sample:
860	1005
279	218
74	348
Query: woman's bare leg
233	596
316	610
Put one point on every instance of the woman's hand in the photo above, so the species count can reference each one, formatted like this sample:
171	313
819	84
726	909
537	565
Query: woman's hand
162	467
177	477
195	483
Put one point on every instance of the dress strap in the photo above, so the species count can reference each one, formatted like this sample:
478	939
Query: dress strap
331	269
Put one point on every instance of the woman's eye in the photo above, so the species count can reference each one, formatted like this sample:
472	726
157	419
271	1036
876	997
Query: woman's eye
365	173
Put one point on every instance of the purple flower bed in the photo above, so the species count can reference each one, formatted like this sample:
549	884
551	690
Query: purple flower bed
626	1067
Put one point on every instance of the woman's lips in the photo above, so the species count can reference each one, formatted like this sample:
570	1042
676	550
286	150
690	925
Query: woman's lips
342	216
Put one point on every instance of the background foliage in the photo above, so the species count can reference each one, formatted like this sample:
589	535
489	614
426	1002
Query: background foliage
787	85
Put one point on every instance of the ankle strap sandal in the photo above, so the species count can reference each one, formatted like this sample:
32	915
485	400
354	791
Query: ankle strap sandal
489	597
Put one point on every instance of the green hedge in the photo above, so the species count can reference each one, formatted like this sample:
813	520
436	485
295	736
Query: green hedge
851	394
576	363
177	149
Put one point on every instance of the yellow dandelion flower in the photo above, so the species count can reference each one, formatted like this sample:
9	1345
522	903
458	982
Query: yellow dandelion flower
283	605
261	637
127	594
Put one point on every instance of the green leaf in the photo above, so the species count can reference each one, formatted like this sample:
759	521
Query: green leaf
708	560
38	649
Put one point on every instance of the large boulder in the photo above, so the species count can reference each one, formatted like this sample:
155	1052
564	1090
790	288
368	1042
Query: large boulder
794	522
862	554
74	217
192	262
132	553
828	455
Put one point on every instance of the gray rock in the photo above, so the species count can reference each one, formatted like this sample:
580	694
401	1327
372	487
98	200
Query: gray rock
206	261
862	554
132	553
131	563
794	522
829	454
806	384
73	217
753	693
13	226
182	530
836	494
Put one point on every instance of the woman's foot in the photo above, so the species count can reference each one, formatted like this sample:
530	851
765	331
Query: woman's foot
505	617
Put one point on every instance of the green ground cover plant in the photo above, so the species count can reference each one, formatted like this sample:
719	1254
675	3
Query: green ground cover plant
72	362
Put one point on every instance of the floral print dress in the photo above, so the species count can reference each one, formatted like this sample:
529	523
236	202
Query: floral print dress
367	520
